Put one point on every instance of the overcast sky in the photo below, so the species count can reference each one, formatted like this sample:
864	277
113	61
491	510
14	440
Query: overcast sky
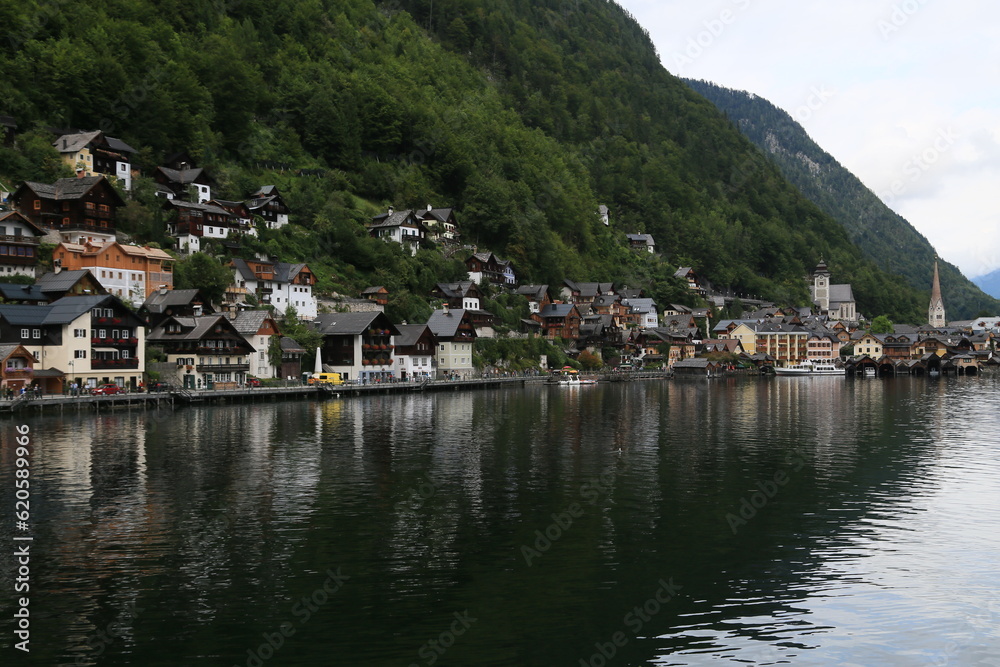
904	94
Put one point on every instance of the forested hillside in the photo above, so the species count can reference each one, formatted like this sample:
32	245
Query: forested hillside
882	234
524	116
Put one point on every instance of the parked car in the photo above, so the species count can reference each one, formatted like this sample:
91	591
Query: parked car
107	390
253	382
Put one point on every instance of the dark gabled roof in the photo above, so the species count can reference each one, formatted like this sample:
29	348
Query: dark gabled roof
185	176
59	283
75	142
160	300
12	292
445	323
346	324
556	310
284	272
698	362
603	300
536	292
249	322
62	311
205	208
374	289
409	334
256	203
69	189
194	329
641	238
119	145
455	290
395	219
8	349
682	272
292	346
644	305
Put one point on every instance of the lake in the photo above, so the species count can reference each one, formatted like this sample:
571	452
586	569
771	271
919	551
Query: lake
806	521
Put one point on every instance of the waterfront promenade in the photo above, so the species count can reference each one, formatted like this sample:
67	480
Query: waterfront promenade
176	397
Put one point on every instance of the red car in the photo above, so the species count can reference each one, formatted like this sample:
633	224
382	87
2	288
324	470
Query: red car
107	390
253	382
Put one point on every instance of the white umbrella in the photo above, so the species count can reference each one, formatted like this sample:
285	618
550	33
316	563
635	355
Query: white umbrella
318	368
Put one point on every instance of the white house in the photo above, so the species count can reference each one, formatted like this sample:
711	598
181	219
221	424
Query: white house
403	227
280	284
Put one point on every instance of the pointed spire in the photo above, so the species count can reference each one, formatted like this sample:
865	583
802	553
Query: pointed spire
935	312
936	286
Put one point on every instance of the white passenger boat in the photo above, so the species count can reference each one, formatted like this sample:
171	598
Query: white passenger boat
810	368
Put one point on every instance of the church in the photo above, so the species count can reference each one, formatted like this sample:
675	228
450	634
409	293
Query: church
834	301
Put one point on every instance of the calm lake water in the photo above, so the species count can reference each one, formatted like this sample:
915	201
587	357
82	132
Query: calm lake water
778	521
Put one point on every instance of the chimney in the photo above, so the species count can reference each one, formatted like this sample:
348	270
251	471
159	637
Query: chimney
444	307
429	208
163	290
197	309
390	210
64	143
56	266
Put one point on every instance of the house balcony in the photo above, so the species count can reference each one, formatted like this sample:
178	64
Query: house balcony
131	363
115	342
107	320
23	240
230	351
223	368
18	373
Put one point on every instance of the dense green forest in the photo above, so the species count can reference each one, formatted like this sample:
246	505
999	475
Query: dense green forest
881	233
524	116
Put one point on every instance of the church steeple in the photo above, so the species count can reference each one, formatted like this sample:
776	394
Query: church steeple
935	312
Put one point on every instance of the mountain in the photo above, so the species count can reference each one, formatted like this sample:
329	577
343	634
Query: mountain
523	116
883	235
989	283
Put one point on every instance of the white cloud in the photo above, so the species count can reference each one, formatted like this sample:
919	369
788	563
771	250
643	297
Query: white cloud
903	74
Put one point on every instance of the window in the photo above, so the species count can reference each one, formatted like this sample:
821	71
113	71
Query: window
38	205
37	333
79	333
124	354
102	333
25	333
79	354
36	356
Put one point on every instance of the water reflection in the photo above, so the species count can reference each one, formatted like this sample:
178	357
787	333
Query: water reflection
865	533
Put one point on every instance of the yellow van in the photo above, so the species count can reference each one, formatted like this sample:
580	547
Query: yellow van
326	378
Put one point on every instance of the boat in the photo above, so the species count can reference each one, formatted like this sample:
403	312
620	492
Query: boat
810	369
569	377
